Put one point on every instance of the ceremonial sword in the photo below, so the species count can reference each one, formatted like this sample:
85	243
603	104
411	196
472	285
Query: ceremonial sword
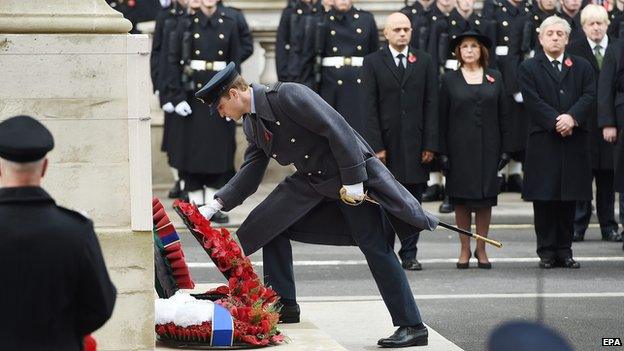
349	200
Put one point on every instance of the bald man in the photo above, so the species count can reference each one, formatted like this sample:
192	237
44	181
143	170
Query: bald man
401	95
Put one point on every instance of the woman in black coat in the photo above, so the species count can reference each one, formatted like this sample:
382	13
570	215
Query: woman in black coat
473	125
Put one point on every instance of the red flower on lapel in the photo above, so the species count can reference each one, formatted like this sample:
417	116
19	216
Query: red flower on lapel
568	62
267	136
490	78
411	58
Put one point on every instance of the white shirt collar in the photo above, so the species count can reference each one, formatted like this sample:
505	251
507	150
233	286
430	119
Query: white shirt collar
252	101
603	43
560	58
395	53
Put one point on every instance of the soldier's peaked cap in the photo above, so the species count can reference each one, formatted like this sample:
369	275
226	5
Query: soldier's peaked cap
24	139
217	85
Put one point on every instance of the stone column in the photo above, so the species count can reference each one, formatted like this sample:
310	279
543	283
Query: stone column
72	65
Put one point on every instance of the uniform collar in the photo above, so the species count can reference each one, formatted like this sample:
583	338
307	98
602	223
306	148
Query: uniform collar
24	194
260	103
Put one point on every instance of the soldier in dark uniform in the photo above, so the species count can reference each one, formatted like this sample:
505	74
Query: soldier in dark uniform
346	35
244	34
205	41
616	16
510	16
296	24
571	11
55	287
293	125
136	11
166	24
419	13
559	92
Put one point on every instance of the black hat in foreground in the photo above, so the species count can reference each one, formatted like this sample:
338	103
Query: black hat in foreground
24	139
217	84
470	34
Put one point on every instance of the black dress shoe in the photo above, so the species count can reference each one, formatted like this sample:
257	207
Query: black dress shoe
503	184
578	236
220	217
547	264
446	206
568	262
289	314
432	193
406	336
611	235
412	265
175	192
514	183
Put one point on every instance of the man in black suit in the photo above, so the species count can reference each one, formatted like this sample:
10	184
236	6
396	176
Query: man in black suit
400	91
611	113
55	287
559	93
595	21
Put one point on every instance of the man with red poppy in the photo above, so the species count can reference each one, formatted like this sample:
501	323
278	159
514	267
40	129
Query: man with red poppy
559	93
400	90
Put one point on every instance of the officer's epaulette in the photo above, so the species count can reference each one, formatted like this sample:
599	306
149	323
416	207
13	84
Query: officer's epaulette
81	215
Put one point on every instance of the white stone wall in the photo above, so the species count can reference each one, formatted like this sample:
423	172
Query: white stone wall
91	91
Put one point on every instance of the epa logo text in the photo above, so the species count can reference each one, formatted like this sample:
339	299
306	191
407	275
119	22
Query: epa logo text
611	342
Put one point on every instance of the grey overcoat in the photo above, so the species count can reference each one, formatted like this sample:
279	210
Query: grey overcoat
294	125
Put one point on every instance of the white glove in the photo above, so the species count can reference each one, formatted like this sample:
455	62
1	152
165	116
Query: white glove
210	209
356	191
183	109
168	107
518	98
165	3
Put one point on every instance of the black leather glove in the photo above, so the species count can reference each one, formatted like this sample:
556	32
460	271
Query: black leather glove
503	160
443	161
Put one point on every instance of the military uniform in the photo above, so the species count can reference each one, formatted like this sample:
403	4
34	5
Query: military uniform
55	286
201	47
166	25
136	11
616	16
346	38
245	38
296	24
420	19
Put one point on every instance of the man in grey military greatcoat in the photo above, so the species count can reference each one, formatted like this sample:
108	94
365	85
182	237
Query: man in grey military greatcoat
293	125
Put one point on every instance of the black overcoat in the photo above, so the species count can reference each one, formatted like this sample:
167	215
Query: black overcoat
557	168
352	33
293	125
245	38
55	287
474	133
208	141
611	105
601	151
402	112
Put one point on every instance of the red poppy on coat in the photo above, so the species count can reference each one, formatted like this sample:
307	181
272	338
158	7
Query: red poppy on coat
411	58
568	62
490	78
267	135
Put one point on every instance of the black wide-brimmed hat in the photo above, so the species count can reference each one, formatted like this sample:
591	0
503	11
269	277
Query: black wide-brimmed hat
470	34
217	84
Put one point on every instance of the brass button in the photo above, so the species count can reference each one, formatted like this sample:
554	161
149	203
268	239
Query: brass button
359	30
414	11
339	82
292	140
309	174
221	52
274	155
196	20
506	38
196	52
356	16
453	22
220	20
536	17
320	172
278	123
299	11
334	49
332	18
287	46
505	24
307	156
333	32
477	22
434	18
504	9
454	36
196	35
359	47
221	36
359	81
199	85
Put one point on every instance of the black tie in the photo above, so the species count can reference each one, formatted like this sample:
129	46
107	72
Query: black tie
401	67
555	64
